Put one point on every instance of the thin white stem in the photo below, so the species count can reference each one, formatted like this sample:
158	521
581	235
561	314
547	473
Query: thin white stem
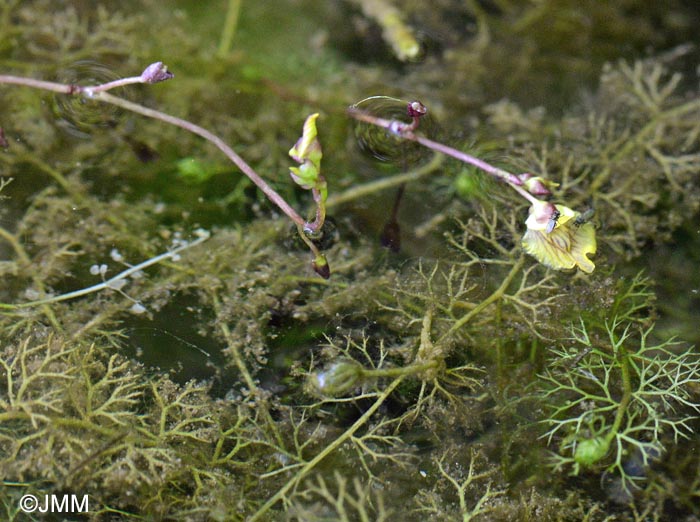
40	84
112	282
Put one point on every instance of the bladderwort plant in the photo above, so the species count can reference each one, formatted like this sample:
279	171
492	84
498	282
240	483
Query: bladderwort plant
617	398
307	151
556	235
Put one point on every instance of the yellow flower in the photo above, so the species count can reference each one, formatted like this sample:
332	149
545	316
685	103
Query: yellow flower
558	239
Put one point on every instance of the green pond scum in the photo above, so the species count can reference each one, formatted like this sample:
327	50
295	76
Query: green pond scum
171	344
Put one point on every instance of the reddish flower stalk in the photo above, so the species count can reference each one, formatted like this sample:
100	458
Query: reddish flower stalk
207	135
407	131
556	235
154	73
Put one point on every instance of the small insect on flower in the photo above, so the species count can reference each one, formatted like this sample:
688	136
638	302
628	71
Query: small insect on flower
552	223
553	238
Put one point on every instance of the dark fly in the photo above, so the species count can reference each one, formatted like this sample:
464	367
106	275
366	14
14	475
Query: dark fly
552	223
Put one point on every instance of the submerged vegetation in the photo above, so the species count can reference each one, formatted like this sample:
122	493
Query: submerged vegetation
454	377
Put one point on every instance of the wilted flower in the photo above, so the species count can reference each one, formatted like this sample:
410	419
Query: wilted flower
557	239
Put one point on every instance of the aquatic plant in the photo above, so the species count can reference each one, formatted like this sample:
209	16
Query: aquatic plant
340	498
615	403
472	486
116	428
307	152
404	384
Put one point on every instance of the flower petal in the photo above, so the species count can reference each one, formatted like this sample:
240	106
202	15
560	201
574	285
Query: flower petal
566	245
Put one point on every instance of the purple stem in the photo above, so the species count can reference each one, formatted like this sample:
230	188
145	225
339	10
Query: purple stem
405	131
211	137
68	88
158	72
98	92
111	85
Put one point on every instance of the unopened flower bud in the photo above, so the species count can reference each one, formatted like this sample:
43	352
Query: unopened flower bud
156	72
537	185
416	109
321	267
337	378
